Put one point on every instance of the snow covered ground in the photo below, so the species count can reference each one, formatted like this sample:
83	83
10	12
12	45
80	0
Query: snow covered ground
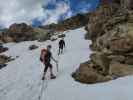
21	79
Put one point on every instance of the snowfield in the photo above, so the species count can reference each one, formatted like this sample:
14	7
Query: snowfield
21	79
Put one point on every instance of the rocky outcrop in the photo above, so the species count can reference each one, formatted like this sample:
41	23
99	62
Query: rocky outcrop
23	32
17	33
20	28
111	30
71	23
4	60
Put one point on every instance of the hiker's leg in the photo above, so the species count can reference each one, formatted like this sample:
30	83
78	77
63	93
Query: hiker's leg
61	50
51	69
45	71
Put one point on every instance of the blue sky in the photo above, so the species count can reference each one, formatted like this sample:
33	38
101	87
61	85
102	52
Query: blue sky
42	12
74	7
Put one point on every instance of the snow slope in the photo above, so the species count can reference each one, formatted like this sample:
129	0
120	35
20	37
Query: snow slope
21	79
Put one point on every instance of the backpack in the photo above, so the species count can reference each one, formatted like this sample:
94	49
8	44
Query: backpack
42	55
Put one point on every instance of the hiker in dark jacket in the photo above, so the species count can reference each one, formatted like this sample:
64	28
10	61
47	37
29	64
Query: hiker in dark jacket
61	46
47	62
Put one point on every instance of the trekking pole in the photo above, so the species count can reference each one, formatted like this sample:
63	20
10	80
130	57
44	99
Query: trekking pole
41	92
57	65
42	89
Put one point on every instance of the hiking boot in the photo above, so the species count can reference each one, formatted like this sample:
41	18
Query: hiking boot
43	78
53	77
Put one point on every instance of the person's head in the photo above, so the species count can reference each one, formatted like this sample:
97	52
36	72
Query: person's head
62	38
49	47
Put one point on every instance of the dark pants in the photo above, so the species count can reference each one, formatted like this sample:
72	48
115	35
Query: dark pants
61	50
47	65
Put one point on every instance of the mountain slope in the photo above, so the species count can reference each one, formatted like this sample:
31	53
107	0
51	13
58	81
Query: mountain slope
21	79
74	22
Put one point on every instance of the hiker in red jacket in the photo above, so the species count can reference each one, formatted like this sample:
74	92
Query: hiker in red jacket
46	57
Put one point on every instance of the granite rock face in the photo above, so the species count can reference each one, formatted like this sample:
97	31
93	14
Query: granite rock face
111	30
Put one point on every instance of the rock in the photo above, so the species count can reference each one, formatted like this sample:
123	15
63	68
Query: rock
110	28
53	38
6	39
3	49
117	58
18	32
2	65
4	59
61	36
124	4
129	60
32	47
46	37
23	32
119	70
130	17
20	28
101	60
121	45
86	74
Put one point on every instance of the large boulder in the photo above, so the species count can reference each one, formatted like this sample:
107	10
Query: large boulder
86	74
33	47
90	74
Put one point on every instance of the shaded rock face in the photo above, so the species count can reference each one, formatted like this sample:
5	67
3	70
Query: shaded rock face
111	30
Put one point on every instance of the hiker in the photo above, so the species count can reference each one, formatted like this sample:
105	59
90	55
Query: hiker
61	46
46	59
